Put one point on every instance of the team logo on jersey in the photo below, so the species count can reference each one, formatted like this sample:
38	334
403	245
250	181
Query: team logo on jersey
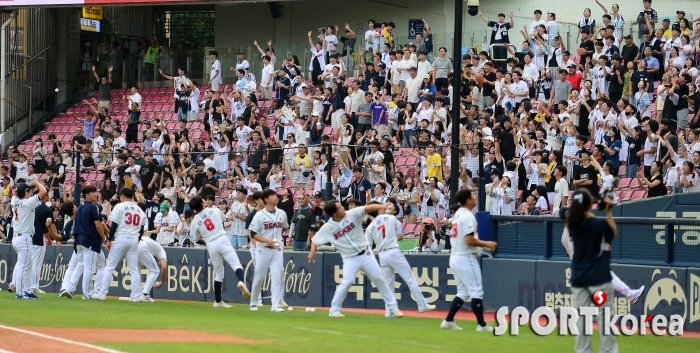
272	225
343	231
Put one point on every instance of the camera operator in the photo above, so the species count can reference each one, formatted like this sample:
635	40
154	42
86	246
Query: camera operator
590	265
427	241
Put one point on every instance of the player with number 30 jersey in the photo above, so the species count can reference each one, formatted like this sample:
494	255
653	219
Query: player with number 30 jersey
127	221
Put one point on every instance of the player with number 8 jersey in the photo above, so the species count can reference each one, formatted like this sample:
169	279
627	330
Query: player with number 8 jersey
127	222
209	225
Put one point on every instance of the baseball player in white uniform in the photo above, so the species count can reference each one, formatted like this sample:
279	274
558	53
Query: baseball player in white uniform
621	287
23	206
385	231
344	231
209	225
465	242
76	264
266	228
127	221
152	256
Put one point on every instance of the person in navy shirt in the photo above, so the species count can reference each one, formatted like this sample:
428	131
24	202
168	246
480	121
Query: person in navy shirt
360	187
284	83
90	234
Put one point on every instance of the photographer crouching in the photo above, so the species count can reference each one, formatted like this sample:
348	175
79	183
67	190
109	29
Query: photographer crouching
590	264
428	241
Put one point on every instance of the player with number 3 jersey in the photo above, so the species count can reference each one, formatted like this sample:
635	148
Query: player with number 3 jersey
123	242
208	224
385	231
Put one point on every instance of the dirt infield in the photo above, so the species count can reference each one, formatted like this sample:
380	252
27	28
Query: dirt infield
77	340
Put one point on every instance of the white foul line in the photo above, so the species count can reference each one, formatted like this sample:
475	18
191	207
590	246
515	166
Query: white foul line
86	345
363	336
4	351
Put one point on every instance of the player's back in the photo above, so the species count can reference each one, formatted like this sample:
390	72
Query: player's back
208	224
463	223
383	231
129	219
154	248
23	214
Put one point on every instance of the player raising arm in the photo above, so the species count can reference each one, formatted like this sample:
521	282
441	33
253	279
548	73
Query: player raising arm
344	231
465	247
23	206
385	231
209	225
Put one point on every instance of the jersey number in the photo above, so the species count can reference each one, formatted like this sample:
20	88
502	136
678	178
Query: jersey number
134	219
16	215
453	233
208	224
382	228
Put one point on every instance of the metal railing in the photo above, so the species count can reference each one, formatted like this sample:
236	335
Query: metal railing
638	241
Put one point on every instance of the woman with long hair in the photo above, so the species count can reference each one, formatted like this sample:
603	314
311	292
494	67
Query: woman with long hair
189	192
427	87
410	120
607	178
411	194
542	199
656	182
290	151
502	195
432	199
344	132
688	178
590	267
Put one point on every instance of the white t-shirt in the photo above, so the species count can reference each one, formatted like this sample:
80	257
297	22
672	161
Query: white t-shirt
243	135
347	235
221	157
269	225
208	224
215	69
155	249
23	214
22	169
97	144
463	223
266	79
242	65
131	170
129	219
535	24
331	43
163	222
649	157
383	232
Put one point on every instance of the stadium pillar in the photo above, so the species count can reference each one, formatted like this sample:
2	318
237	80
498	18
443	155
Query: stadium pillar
457	54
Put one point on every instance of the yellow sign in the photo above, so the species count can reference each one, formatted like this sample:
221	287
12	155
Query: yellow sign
92	12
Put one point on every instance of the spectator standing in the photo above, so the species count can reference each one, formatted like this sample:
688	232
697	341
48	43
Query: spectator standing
641	21
301	222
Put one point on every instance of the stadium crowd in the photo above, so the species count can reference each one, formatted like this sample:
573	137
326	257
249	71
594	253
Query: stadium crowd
607	113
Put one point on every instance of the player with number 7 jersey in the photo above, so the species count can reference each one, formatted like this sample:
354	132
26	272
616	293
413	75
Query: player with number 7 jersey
385	231
127	220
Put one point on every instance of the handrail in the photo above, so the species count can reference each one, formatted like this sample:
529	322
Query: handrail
619	220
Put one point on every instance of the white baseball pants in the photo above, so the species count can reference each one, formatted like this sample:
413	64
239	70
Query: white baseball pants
72	276
253	250
220	250
367	263
272	260
147	260
38	253
392	261
128	248
91	261
467	276
22	244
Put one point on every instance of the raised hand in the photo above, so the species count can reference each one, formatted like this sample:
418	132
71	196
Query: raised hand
255	42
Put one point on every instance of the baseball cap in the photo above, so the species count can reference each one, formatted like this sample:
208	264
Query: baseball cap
429	220
572	66
21	189
241	52
487	131
304	85
666	18
680	12
426	76
315	114
164	207
189	213
488	110
629	36
148	122
489	138
318	195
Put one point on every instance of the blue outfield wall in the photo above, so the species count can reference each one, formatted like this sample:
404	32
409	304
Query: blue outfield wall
507	282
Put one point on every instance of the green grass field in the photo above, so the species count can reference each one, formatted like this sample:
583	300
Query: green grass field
296	331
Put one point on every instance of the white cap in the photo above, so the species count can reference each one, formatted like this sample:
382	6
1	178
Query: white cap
487	131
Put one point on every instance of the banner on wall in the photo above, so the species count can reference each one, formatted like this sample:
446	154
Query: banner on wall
528	283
